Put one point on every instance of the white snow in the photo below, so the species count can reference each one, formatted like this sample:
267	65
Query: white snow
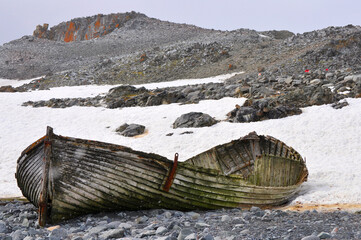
15	83
105	88
264	36
183	82
329	139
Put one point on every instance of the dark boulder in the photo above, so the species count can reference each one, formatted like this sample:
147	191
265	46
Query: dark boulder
321	96
130	130
124	91
261	109
246	114
194	119
123	96
282	112
7	89
340	104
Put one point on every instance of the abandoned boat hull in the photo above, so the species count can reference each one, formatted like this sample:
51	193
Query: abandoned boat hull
67	177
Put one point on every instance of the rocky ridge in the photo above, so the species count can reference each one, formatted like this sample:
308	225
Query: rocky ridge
80	29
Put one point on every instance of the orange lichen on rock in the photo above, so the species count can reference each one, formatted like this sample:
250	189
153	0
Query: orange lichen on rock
143	57
69	35
231	67
79	29
41	31
97	24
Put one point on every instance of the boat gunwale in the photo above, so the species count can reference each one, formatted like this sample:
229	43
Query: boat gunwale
186	173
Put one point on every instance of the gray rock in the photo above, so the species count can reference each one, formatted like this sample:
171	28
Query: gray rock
254	209
152	226
18	235
329	75
165	238
324	235
75	238
226	218
114	224
58	234
161	230
193	215
191	236
147	233
194	119
187	224
288	80
167	214
297	82
125	225
348	78
2	227
202	225
113	233
316	81
357	78
184	233
245	114
130	130
245	232
321	96
311	237
121	128
340	104
97	229
141	220
193	96
25	223
207	237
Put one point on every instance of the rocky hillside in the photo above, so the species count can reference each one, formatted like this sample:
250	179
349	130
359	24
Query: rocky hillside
31	56
133	48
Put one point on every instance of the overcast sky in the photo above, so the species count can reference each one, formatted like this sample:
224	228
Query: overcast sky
20	17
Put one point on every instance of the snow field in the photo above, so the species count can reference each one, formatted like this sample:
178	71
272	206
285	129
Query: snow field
329	139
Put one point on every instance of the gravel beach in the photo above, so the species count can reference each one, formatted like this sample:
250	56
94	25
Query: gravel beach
18	220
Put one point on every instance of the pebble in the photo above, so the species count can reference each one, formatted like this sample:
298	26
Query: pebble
225	218
310	238
324	235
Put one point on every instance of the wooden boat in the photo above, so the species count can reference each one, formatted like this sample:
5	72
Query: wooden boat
66	177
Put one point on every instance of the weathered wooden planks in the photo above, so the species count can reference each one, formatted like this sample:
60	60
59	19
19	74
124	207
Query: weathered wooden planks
88	176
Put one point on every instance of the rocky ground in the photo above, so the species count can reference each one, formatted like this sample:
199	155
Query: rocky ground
18	221
267	98
149	50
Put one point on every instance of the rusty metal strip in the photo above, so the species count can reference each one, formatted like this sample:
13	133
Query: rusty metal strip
33	145
170	178
44	195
